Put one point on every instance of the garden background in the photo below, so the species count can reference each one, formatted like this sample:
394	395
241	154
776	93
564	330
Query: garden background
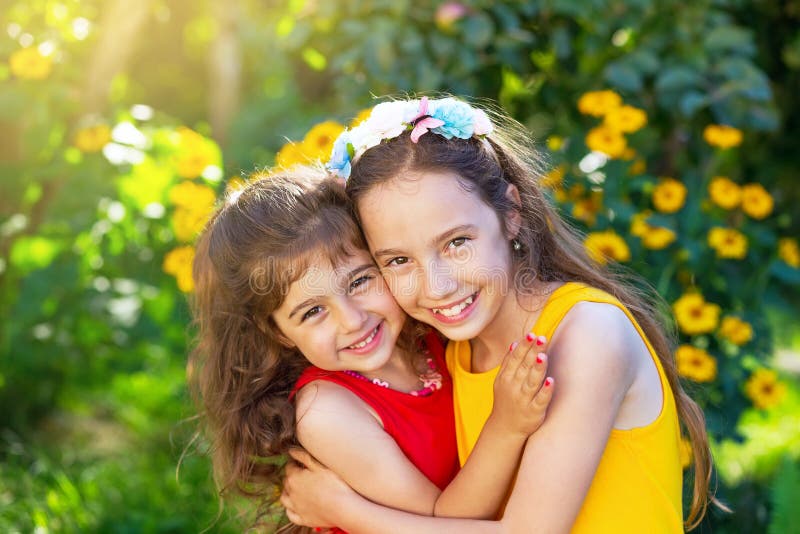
672	134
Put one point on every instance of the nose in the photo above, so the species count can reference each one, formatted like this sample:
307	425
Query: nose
439	280
350	314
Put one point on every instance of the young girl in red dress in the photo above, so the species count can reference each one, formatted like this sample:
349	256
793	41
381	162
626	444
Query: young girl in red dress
300	342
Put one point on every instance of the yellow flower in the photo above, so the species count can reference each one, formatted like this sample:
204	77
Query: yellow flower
695	315
192	196
686	453
554	143
629	154
669	195
361	117
756	201
724	192
789	251
93	138
318	142
722	136
554	178
598	103
604	139
178	262
735	330
627	119
187	223
639	226
658	237
587	208
695	364
603	246
764	389
560	195
235	183
195	153
289	155
30	64
728	243
637	167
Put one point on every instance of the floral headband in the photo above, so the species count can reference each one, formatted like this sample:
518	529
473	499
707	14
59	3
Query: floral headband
447	117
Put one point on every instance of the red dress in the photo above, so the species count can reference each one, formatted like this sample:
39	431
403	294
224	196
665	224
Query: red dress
423	427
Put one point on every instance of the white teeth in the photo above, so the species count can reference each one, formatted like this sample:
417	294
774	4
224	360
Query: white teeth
366	341
455	310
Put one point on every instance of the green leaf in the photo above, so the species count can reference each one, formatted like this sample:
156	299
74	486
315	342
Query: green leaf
478	30
785	273
733	38
623	77
691	102
677	78
34	252
146	183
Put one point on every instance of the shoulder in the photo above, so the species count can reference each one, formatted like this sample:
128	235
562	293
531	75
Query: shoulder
322	406
597	341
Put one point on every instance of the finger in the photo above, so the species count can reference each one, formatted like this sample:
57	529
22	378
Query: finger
527	360
542	399
537	372
510	360
302	457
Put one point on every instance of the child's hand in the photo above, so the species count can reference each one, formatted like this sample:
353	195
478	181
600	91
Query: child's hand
521	392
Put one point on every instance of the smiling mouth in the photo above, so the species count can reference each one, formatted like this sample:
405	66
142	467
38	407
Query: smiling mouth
456	308
367	340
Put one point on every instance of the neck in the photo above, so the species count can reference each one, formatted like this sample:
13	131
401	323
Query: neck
515	318
398	372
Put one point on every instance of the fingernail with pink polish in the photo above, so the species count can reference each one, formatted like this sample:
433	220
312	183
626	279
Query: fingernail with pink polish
540	340
548	382
539	358
513	346
529	337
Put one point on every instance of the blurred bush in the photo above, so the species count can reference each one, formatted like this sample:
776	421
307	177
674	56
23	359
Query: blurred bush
670	129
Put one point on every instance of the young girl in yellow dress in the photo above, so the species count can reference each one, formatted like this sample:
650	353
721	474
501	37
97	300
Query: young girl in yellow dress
468	243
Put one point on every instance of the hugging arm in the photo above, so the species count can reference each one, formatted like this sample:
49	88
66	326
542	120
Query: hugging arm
366	457
559	460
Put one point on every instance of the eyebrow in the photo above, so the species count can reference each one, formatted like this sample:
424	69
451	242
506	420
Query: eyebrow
350	275
441	237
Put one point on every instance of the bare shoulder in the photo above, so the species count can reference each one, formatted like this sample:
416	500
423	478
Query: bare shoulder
322	406
597	339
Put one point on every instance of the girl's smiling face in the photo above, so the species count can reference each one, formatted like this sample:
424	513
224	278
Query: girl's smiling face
341	318
443	251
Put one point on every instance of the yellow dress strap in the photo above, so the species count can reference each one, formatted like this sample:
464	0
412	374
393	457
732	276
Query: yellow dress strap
562	300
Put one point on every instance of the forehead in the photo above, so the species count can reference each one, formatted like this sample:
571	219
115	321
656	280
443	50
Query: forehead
414	208
322	276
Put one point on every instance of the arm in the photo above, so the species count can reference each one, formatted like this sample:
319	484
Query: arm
366	456
520	402
559	460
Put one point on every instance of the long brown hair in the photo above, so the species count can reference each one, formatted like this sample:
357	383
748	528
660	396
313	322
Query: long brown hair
258	242
551	250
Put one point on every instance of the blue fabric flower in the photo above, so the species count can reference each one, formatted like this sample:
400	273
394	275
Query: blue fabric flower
457	116
340	156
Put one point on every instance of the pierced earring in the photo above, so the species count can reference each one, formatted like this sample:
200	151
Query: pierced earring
516	244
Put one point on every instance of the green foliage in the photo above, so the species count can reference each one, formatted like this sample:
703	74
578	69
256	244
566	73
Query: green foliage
95	211
785	514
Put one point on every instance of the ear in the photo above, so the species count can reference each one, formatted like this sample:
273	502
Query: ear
513	219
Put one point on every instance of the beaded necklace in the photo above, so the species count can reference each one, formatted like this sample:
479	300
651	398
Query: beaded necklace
431	380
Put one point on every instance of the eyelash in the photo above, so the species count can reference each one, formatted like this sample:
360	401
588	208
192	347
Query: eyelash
358	282
452	242
309	314
361	280
394	261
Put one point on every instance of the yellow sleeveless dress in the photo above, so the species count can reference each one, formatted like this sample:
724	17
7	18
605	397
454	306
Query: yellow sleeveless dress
638	483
